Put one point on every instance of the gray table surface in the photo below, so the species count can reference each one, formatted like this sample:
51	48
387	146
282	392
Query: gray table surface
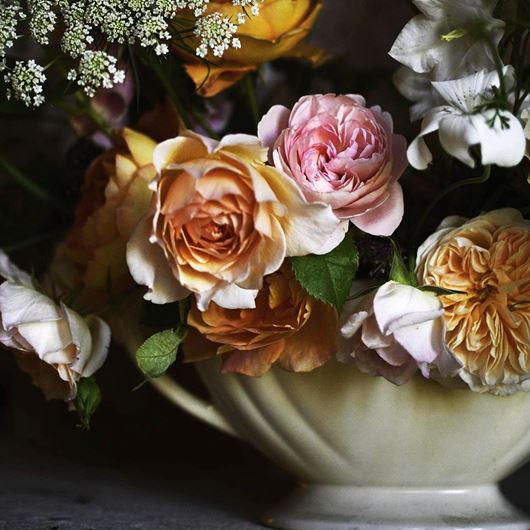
55	495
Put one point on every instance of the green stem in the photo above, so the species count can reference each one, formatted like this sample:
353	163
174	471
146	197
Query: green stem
498	63
30	242
250	93
173	96
460	184
30	186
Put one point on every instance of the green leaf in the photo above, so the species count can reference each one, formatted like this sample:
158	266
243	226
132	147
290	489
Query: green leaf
329	278
87	400
398	270
159	351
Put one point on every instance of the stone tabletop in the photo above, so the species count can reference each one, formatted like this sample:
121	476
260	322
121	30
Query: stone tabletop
59	495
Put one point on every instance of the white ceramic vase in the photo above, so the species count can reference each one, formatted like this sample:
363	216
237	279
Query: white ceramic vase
371	455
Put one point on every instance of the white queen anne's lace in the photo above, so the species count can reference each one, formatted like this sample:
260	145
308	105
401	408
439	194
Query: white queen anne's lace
91	27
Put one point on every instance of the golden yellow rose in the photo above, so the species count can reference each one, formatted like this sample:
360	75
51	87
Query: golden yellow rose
287	327
488	325
115	196
277	32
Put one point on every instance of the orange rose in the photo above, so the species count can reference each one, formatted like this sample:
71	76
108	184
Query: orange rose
277	32
115	196
287	327
488	325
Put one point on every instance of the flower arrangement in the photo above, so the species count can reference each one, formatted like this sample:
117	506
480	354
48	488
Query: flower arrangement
275	235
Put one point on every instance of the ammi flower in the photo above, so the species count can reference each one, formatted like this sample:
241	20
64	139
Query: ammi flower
278	31
488	325
288	328
222	220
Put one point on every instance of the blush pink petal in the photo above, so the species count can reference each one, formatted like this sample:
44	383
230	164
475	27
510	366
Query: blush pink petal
341	153
272	124
384	220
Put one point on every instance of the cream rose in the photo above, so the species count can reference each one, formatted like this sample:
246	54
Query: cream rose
394	331
54	344
488	324
221	220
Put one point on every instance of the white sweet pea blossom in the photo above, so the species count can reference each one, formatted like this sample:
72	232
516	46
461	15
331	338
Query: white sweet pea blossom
54	344
418	89
465	121
525	117
394	331
450	38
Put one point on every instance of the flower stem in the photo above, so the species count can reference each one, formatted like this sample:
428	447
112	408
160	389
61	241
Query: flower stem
250	93
481	179
499	66
172	93
30	186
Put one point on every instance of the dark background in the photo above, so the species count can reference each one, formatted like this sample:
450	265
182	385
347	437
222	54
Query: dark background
145	464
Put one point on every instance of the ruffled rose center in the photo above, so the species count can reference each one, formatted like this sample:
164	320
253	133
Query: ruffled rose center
337	151
488	326
212	229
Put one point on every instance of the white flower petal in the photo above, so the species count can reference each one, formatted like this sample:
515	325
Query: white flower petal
457	135
148	266
229	296
49	339
101	335
20	304
81	338
418	153
419	46
503	144
310	227
12	273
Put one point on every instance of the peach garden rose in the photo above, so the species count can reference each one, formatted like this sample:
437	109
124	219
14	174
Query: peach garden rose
487	259
221	220
343	153
288	328
115	196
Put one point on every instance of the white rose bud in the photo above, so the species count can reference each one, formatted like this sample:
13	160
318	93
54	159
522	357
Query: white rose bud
55	345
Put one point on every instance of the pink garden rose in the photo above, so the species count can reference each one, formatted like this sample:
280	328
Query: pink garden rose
341	153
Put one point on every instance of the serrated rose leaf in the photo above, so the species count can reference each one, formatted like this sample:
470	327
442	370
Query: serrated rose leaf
329	278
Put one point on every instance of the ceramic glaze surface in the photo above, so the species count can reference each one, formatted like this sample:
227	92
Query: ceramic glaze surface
337	426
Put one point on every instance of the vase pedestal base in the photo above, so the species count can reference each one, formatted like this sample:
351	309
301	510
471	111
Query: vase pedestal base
375	508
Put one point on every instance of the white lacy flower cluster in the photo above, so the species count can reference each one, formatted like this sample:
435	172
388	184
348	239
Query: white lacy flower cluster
454	75
90	27
26	80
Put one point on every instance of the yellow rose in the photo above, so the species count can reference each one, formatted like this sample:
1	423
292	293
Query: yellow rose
115	196
488	325
287	327
277	32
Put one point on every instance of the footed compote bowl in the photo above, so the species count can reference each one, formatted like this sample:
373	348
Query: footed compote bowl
368	454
